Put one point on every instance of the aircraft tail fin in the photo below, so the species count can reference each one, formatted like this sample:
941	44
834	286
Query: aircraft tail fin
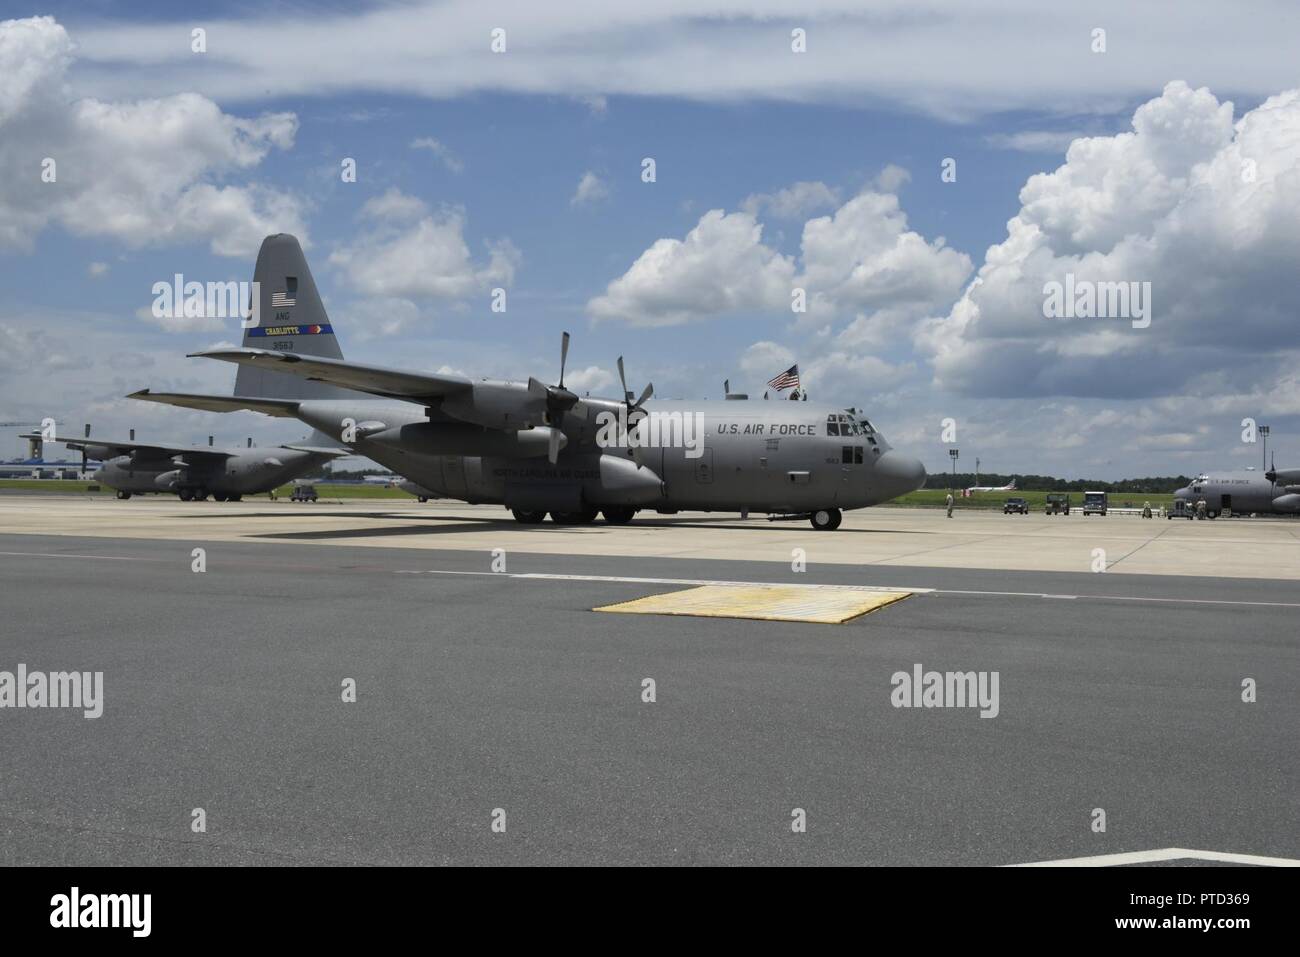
291	318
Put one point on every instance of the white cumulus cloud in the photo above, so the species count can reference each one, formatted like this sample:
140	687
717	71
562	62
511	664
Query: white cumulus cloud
721	267
145	172
412	252
591	189
1205	209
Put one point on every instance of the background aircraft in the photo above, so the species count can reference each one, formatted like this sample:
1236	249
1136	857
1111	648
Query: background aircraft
193	472
538	448
419	491
1009	487
1275	492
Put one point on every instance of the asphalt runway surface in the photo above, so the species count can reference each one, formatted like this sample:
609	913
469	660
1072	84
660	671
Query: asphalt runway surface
479	691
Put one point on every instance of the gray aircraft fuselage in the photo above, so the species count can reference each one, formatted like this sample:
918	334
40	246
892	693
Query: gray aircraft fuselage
1243	490
540	449
762	456
241	472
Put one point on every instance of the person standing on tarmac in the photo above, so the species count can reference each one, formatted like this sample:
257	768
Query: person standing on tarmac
949	503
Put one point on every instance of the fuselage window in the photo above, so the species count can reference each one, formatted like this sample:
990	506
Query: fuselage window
857	455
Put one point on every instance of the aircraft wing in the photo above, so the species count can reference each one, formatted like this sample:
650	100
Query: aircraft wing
151	449
284	408
376	380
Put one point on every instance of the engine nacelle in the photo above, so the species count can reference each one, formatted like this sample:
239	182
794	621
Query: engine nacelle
624	482
438	438
1287	503
167	480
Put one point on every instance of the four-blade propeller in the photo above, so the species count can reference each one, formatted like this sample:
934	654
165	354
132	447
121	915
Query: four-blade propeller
648	391
556	400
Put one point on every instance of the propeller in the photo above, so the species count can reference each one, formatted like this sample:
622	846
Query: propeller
1271	474
648	391
633	408
83	451
556	400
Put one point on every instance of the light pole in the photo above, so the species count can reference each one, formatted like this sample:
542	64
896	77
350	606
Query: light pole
952	454
1263	431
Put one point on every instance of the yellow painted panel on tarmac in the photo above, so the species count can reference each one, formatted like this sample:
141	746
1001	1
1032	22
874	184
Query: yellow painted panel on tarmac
831	606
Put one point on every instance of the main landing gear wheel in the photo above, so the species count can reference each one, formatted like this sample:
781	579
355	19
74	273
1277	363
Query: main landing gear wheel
234	498
525	517
826	519
585	517
618	516
124	495
186	495
219	496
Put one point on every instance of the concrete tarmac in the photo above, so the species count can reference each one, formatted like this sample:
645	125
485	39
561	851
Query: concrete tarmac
479	691
1223	548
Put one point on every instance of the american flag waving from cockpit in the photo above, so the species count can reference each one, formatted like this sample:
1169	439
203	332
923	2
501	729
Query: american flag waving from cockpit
789	379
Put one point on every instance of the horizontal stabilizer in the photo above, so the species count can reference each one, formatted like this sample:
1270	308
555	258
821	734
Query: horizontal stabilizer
282	408
376	380
316	450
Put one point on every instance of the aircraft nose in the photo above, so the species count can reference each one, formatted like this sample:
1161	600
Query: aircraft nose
899	474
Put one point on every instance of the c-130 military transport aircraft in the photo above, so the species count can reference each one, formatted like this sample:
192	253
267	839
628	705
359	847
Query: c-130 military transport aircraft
193	472
538	448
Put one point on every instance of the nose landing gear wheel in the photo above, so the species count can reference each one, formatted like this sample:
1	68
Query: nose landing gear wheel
826	519
524	517
124	495
618	516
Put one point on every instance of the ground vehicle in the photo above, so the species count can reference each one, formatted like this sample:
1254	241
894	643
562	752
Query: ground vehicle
303	493
1057	503
1014	506
1181	509
1095	503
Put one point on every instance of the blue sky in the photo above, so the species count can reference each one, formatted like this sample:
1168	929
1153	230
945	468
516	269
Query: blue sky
887	248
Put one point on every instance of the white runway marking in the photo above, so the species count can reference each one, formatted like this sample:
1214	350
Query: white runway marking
102	558
912	588
659	581
1187	601
630	579
1165	854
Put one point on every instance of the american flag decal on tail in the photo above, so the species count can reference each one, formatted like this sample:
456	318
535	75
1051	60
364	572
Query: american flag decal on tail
282	300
